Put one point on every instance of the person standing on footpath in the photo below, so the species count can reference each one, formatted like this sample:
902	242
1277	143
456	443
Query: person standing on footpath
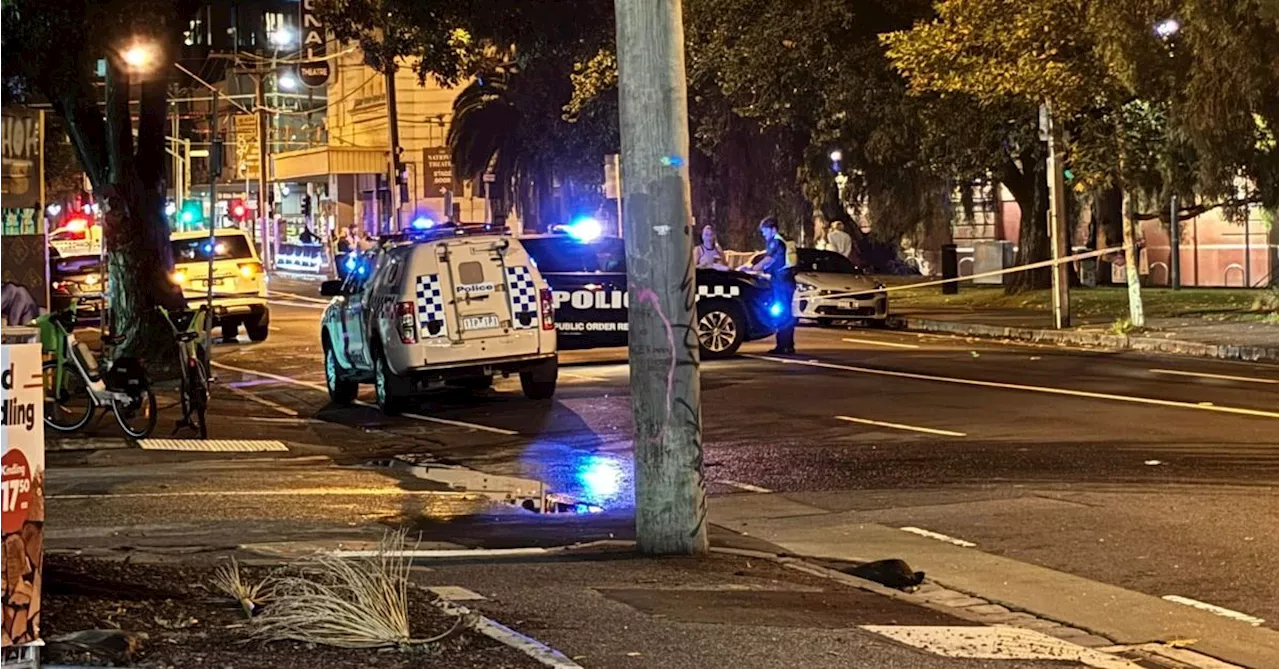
838	240
777	263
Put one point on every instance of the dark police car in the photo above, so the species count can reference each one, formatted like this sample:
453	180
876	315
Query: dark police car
588	280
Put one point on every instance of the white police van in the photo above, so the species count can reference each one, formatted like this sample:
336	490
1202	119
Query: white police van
441	306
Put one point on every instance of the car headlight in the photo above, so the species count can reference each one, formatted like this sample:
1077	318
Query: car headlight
802	287
179	277
92	280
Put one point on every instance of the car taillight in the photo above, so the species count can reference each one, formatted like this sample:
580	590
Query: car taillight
249	270
406	315
548	310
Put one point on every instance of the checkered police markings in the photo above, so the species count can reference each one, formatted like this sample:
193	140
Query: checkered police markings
717	291
430	305
213	445
524	297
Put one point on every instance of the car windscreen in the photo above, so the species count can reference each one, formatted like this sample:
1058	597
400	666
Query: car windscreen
563	254
814	260
225	247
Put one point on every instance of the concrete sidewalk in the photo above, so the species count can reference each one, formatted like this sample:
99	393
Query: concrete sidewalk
1198	337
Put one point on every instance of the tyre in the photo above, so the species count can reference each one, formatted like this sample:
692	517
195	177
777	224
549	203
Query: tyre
71	408
539	382
230	330
195	402
341	391
390	388
258	331
721	329
137	417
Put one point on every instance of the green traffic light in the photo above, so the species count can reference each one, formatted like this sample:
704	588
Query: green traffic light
192	212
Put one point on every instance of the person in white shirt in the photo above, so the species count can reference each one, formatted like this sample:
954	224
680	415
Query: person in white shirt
838	240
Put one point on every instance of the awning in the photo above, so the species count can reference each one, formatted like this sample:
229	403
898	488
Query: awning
318	163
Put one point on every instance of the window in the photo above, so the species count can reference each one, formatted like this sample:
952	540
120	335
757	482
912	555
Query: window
562	255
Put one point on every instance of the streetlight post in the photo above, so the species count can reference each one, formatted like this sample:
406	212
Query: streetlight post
1166	30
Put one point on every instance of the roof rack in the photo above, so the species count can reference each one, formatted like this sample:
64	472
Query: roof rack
442	231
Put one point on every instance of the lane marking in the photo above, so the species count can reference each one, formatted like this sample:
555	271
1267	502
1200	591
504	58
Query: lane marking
1213	608
295	296
744	486
321	388
584	377
274	406
303	305
901	426
1224	377
939	536
1019	386
879	343
300	492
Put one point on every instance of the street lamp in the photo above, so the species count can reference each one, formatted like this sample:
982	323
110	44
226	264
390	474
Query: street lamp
1167	28
287	82
139	56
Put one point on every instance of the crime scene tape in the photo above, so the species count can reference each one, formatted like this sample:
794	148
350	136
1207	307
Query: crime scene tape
980	275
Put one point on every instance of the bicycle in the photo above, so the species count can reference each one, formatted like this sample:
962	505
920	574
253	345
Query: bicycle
74	384
188	326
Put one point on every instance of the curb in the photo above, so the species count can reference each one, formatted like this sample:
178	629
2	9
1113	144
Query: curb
1103	340
538	651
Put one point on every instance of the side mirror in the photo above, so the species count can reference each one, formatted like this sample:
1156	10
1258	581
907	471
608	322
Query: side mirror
331	288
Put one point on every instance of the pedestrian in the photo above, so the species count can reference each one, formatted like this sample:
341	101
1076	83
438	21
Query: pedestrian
838	240
307	236
708	254
777	262
820	232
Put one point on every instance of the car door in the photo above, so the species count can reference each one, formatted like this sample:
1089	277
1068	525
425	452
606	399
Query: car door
588	282
354	328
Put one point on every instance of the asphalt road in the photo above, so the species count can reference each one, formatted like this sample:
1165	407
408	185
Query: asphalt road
1157	474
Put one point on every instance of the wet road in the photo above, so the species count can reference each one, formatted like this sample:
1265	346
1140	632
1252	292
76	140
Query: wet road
1154	473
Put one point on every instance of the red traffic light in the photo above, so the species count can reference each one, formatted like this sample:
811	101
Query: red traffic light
237	209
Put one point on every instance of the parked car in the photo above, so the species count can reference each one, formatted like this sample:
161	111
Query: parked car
239	283
588	280
443	306
81	278
829	287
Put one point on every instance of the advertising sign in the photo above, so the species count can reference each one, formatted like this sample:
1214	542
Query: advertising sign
22	154
24	259
247	163
315	71
21	490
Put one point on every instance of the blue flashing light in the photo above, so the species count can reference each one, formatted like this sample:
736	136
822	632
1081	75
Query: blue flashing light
423	223
350	264
585	229
600	477
775	309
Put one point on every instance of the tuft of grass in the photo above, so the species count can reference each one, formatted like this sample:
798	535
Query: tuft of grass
357	602
228	579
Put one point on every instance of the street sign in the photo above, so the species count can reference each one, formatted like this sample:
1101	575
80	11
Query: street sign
23	490
246	129
314	72
437	166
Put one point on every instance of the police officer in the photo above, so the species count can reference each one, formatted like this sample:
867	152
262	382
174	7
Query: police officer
778	266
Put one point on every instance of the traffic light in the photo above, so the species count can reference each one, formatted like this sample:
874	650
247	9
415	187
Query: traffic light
237	210
306	206
192	213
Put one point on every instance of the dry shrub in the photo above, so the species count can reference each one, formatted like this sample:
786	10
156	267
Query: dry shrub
359	602
229	580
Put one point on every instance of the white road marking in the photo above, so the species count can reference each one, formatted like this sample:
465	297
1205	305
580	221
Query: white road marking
996	643
321	388
939	536
584	377
902	426
288	303
295	296
1019	386
1213	608
744	486
1224	377
873	342
301	492
274	406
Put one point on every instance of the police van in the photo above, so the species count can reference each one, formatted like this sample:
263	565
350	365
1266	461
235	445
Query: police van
587	275
441	306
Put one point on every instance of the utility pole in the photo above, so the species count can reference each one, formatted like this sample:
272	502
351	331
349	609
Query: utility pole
1175	240
393	158
260	108
1057	221
215	171
671	504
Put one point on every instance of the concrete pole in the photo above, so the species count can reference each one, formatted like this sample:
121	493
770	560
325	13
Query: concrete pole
671	510
1175	244
1057	226
393	159
260	102
1136	316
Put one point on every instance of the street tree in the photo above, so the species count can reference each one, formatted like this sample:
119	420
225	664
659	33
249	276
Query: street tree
136	42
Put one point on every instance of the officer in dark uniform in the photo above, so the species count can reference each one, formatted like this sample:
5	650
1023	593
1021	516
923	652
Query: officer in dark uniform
782	276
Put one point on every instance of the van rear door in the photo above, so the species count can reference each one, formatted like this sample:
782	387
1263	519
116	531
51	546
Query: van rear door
489	291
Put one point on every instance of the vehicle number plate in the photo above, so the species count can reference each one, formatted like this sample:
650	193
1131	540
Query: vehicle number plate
848	304
484	322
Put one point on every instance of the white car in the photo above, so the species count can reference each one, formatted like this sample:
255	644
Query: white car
829	287
439	307
239	283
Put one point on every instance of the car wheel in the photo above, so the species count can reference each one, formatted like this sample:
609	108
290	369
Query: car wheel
721	329
341	391
258	331
539	382
389	388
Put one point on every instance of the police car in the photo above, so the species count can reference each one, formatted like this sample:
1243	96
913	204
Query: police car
442	306
587	274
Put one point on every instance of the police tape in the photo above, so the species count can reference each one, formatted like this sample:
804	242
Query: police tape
981	275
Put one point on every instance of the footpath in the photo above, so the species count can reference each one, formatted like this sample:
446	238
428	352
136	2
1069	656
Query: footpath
1226	324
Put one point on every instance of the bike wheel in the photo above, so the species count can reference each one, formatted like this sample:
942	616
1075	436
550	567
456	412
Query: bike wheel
70	408
198	392
137	417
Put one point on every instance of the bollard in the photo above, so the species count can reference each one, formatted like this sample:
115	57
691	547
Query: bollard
950	269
